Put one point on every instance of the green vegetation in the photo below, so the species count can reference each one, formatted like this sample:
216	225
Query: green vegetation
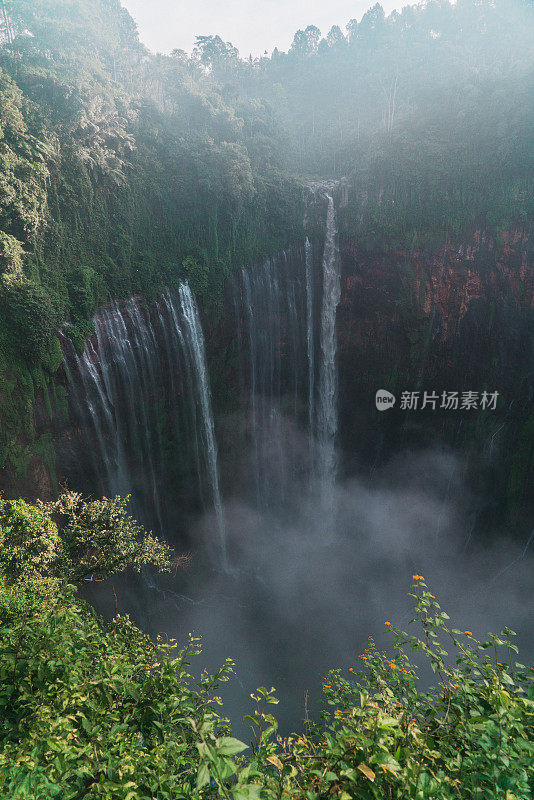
98	710
120	172
428	111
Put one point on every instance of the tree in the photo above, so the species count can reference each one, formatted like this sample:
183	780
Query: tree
215	54
305	42
335	37
75	539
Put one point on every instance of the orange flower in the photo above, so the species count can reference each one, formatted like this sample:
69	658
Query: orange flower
415	577
456	686
433	596
499	664
387	623
351	669
468	633
364	658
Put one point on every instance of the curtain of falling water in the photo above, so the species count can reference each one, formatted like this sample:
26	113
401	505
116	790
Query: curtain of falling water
141	392
327	417
195	341
142	381
285	376
113	392
309	334
277	336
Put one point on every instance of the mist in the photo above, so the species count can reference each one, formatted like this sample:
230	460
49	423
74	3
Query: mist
296	606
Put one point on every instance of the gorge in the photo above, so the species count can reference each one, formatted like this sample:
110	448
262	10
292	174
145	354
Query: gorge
266	365
264	484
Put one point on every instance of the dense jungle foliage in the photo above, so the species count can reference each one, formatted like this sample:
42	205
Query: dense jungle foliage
120	172
123	172
429	111
98	710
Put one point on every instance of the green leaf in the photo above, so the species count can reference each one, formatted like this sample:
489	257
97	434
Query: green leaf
203	776
228	746
386	760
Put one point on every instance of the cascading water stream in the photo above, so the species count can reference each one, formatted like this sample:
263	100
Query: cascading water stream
147	370
195	341
274	312
327	417
142	396
283	337
309	335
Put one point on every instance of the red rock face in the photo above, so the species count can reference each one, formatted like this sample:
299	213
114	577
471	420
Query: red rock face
459	319
380	292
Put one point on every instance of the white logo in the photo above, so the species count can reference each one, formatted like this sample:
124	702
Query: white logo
384	400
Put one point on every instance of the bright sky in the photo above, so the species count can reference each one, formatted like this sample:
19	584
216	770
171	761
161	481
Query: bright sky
253	26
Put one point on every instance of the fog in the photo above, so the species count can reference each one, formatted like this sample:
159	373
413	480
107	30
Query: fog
294	606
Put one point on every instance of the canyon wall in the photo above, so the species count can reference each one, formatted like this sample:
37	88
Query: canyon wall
460	319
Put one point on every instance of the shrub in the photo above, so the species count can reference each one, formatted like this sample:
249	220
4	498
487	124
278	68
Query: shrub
29	540
470	736
96	710
53	357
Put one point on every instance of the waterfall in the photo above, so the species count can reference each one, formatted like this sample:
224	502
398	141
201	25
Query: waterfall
195	341
113	390
309	334
142	380
279	311
274	312
141	394
327	417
